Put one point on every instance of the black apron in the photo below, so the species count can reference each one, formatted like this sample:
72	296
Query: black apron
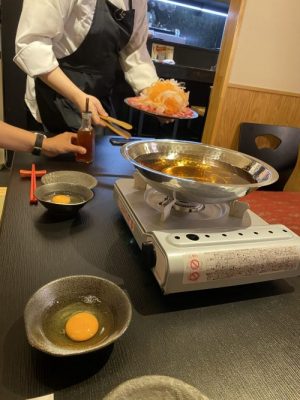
92	67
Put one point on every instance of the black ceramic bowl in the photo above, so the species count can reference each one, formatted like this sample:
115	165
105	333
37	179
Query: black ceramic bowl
79	195
52	305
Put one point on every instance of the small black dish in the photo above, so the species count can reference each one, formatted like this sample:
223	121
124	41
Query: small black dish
79	195
50	305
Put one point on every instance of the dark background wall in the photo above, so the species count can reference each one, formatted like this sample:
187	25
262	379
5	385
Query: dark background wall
196	27
189	56
13	78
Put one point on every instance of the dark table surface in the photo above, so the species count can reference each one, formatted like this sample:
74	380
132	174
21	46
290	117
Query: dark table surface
237	343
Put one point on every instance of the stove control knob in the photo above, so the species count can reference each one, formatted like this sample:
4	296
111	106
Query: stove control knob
149	255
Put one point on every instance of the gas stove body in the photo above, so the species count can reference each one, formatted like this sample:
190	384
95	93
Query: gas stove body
221	245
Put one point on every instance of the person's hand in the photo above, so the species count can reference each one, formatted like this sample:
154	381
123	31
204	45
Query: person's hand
60	144
95	107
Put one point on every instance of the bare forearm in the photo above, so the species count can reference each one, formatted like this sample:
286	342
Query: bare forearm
16	139
13	138
59	82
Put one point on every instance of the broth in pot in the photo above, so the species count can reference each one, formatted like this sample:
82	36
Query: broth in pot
191	167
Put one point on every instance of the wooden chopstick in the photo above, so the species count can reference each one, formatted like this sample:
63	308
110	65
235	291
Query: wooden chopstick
118	131
123	124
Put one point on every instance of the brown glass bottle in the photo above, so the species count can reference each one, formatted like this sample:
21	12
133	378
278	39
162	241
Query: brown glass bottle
86	138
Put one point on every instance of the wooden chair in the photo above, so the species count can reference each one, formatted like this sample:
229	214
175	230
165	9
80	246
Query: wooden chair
293	183
274	144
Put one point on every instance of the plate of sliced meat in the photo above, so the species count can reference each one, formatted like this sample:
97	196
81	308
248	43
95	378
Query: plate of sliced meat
164	98
137	103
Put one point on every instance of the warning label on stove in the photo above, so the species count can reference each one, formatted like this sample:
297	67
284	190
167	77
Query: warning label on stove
229	264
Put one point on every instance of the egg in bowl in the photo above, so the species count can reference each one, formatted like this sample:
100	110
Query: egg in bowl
50	312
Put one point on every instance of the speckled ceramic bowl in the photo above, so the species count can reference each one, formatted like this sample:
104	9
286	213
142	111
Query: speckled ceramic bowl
75	177
80	194
50	307
155	387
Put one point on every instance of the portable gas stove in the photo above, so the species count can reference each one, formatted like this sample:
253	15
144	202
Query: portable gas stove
183	210
194	246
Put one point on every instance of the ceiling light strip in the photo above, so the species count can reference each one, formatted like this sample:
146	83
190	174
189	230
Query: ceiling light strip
205	10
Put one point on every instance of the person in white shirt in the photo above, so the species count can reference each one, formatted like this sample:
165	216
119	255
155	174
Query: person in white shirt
70	50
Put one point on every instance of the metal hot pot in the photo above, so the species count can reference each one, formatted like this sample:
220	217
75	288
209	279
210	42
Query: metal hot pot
196	172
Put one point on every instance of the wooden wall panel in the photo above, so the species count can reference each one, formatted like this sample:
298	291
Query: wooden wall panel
228	45
242	104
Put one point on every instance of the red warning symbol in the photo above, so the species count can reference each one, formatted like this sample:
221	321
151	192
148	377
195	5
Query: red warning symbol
193	268
194	264
194	276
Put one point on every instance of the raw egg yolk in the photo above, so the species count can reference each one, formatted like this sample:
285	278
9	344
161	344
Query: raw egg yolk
61	199
82	326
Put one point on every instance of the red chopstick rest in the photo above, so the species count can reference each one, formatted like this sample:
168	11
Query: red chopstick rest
33	173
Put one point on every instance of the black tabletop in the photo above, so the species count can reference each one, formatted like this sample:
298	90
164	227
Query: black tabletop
231	343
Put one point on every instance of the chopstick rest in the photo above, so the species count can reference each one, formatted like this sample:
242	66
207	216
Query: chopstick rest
33	173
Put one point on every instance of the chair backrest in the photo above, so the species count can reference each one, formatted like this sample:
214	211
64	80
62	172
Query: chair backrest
282	156
293	183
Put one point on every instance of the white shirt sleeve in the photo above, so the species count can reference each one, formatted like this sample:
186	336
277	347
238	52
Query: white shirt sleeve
135	60
41	25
